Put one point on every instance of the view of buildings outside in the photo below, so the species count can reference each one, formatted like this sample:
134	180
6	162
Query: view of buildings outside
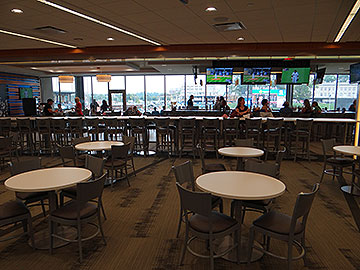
172	88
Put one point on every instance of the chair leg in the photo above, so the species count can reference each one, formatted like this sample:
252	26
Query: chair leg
103	210
133	166
79	241
179	224
43	207
100	227
185	246
251	243
30	231
323	173
51	238
211	246
221	207
289	259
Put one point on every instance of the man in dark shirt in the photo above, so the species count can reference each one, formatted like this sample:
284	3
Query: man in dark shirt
286	110
190	102
48	111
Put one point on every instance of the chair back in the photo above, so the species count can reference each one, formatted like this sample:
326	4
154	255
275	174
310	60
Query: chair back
137	122
58	124
202	156
274	123
253	123
95	165
163	122
91	190
304	124
25	166
43	124
110	122
120	151
231	123
302	207
23	124
67	152
76	141
196	202
244	142
210	123
280	155
261	167
75	123
184	173
129	140
188	123
5	125
92	122
327	147
6	143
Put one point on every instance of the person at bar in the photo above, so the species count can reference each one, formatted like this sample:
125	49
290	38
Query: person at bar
286	110
78	107
48	111
241	109
190	102
307	108
352	107
316	107
265	106
104	107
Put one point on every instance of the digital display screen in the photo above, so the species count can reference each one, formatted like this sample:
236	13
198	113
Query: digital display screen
219	75
256	76
25	92
355	73
295	75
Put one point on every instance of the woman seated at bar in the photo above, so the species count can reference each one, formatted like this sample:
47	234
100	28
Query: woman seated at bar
316	107
265	106
307	108
240	109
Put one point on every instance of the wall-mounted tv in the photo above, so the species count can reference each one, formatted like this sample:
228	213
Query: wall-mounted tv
355	73
295	75
256	76
319	75
25	92
219	75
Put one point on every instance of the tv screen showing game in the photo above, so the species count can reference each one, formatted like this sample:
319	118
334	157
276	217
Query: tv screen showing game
219	75
25	92
295	75
355	73
256	76
319	75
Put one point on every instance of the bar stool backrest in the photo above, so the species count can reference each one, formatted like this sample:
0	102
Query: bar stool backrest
304	125
25	166
43	124
111	122
184	173
58	124
137	122
76	141
210	123
75	123
327	147
92	122
261	167
188	123
5	125
162	122
253	123
231	123
273	123
24	124
244	142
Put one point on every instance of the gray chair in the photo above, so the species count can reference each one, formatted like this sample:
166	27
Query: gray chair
118	161
302	133
29	198
163	135
184	174
81	211
68	155
272	135
187	132
330	159
244	142
253	129
212	167
131	141
206	224
6	149
80	155
96	166
230	130
59	131
280	154
12	212
285	228
44	132
210	131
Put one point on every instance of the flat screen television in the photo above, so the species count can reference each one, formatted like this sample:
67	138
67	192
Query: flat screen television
319	75
256	76
355	73
25	92
295	75
219	75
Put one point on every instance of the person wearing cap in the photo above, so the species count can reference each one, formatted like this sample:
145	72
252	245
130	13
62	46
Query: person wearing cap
78	107
48	111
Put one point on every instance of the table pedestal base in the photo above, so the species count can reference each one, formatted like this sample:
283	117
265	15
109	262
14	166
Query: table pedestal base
42	238
231	256
347	189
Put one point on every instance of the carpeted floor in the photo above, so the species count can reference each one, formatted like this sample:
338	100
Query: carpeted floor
142	220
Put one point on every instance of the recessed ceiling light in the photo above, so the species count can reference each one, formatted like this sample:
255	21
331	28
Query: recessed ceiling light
38	39
210	9
86	17
17	11
240	38
348	20
110	38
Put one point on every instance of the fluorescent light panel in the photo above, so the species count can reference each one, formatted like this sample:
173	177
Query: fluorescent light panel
86	17
37	39
348	20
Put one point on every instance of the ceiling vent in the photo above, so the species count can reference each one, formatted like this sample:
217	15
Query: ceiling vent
229	26
50	30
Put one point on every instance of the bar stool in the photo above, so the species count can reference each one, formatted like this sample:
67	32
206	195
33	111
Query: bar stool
26	132
76	127
163	135
272	135
5	126
210	130
138	130
187	128
302	133
253	129
230	131
93	129
44	131
112	130
59	131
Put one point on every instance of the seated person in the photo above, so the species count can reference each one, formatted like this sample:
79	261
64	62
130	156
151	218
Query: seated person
307	108
265	110
155	112
240	109
48	111
352	107
136	112
190	102
286	110
316	107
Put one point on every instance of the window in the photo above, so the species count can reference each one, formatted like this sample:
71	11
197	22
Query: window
100	90
303	91
87	92
117	83
348	92
154	92
277	94
236	90
197	90
257	93
135	92
325	93
64	93
212	92
175	91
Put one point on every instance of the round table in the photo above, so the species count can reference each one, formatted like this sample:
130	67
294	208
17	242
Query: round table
240	153
237	185
50	180
350	150
97	145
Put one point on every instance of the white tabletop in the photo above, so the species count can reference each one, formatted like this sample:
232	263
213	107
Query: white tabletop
241	185
97	146
347	149
47	179
240	152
